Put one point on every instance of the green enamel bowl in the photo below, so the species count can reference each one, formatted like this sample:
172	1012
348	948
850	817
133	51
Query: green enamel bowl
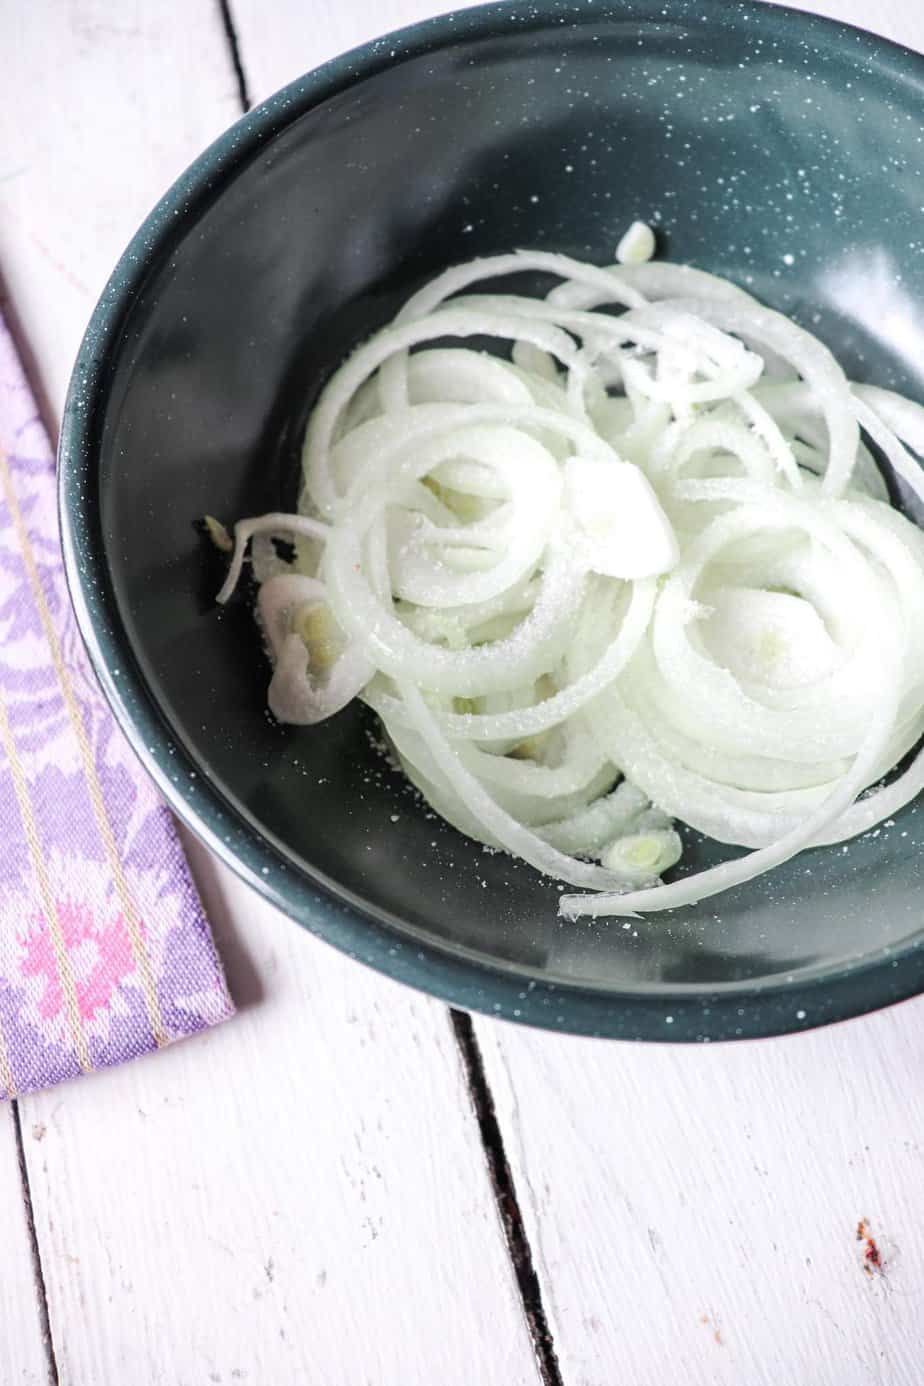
780	150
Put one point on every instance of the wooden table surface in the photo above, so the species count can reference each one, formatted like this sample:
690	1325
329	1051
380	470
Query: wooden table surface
345	1186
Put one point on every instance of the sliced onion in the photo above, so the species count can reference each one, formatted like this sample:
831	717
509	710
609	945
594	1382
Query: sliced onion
544	697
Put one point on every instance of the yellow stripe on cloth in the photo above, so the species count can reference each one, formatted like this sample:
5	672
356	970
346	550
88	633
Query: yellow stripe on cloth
49	907
129	911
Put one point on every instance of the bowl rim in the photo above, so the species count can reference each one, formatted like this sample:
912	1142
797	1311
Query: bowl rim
684	1014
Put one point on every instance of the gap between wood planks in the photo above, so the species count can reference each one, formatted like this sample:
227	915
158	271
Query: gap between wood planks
234	52
38	1273
505	1196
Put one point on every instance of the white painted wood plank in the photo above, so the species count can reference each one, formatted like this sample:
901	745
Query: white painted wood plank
103	106
304	33
672	1195
301	1195
23	1357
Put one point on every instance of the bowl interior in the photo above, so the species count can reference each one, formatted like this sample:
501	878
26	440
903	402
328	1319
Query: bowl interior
778	151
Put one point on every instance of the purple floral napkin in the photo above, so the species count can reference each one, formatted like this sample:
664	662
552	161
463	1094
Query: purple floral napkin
105	952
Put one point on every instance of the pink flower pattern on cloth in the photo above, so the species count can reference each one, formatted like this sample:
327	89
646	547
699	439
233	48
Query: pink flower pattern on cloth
105	952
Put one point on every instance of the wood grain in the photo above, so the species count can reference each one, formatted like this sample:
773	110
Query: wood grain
23	1356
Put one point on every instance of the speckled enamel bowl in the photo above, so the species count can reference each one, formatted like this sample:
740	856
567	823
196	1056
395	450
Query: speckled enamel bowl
780	150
